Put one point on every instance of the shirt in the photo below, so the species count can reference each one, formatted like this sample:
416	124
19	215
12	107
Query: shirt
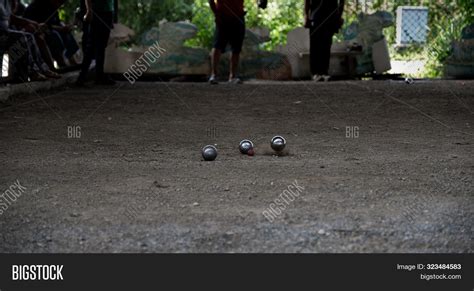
324	12
103	5
231	7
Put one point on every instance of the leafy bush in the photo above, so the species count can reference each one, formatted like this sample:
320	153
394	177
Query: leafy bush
280	17
141	15
446	20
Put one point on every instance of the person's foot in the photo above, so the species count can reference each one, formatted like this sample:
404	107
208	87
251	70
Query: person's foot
235	81
213	80
107	81
51	74
318	78
37	77
321	78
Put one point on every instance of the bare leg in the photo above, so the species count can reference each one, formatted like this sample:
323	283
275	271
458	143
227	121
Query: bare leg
234	64
45	52
215	57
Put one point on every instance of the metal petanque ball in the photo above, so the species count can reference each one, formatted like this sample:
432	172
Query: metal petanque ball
409	81
209	153
245	146
278	143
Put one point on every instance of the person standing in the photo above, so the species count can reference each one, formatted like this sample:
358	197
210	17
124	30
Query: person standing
37	30
230	30
324	19
99	16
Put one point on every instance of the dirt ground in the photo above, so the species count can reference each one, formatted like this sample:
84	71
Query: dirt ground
385	166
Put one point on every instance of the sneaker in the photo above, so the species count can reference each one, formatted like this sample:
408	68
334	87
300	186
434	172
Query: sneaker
213	80
235	81
326	78
318	78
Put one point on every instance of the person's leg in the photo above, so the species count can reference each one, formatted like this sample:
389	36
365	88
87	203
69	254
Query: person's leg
237	36
88	48
234	64
40	65
215	58
70	45
320	51
220	43
326	52
85	41
44	50
36	63
103	26
56	46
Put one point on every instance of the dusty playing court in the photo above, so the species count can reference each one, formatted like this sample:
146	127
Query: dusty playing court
385	166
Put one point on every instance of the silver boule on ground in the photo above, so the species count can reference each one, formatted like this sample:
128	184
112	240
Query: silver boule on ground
245	146
278	143
209	153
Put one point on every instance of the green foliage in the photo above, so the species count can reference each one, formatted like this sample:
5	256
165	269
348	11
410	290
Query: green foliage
446	26
446	20
204	20
280	17
141	15
66	13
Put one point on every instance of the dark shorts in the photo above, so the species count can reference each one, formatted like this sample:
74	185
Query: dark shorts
230	32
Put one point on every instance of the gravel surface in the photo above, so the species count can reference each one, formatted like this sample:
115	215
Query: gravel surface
382	166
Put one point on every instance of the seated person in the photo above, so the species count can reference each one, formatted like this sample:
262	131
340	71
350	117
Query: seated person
58	36
35	28
22	48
